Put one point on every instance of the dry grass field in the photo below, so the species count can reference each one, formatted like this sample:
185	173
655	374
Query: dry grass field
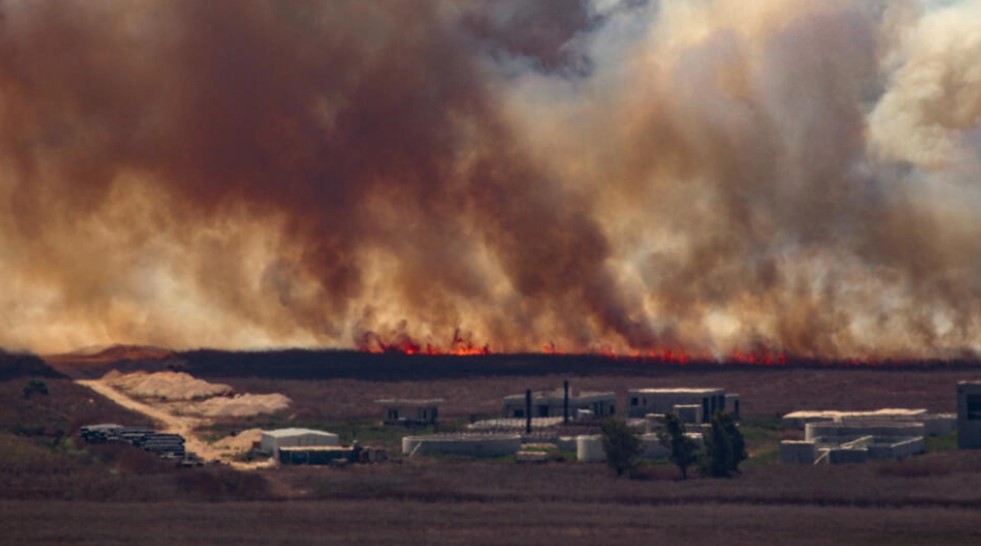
764	391
409	522
54	490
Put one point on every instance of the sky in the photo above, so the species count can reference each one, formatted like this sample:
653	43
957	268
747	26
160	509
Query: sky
707	176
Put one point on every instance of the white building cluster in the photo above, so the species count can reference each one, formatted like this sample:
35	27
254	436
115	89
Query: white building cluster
835	437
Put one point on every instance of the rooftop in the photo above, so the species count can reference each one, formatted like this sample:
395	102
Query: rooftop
834	414
558	394
678	391
284	432
316	448
410	401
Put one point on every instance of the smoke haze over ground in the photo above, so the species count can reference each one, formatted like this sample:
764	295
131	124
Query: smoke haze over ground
713	176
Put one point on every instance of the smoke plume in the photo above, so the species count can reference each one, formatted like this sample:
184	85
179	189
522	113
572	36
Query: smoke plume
715	177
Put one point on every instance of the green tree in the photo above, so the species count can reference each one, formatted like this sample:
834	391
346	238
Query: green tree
683	449
737	444
621	445
724	448
35	386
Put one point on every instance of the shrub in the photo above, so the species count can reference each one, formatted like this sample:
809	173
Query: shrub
683	450
724	448
35	386
621	445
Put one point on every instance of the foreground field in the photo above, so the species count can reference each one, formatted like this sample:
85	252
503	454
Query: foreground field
407	522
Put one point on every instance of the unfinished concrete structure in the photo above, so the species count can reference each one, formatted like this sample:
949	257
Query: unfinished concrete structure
689	414
640	402
272	440
934	424
854	441
969	414
555	404
410	411
797	452
799	419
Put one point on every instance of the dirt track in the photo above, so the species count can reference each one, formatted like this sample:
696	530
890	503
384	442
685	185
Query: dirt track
170	423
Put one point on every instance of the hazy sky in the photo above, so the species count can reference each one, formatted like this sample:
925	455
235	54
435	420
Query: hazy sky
706	175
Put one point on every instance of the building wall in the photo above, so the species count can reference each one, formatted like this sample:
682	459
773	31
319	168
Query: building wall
797	452
641	403
733	403
553	407
969	415
413	414
270	442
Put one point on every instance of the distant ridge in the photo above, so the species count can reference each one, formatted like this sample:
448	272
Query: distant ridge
89	362
114	353
14	365
349	364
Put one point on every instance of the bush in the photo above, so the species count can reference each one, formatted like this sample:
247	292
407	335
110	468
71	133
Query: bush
35	386
724	448
621	445
683	450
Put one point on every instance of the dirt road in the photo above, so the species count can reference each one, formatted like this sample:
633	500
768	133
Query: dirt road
170	423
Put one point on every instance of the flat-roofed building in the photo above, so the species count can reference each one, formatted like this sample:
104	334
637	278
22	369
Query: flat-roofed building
552	404
410	411
640	402
798	419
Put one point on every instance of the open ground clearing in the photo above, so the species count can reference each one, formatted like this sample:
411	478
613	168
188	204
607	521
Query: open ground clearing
172	418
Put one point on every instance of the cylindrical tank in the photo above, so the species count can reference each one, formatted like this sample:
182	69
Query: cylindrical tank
589	449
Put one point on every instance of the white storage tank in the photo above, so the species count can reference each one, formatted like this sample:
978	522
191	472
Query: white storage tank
589	449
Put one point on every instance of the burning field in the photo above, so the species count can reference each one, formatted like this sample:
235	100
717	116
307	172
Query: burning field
719	180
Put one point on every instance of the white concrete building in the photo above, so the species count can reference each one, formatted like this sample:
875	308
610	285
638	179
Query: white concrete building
798	419
272	440
640	402
552	404
854	441
935	424
410	411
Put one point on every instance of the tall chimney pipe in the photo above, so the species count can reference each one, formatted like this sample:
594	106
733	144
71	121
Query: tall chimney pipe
565	402
527	411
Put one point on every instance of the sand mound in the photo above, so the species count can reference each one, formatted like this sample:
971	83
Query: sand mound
243	405
240	443
165	385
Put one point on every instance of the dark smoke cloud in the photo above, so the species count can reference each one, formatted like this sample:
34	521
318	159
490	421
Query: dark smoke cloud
363	129
600	175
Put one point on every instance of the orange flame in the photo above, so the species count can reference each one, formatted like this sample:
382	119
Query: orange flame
403	343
